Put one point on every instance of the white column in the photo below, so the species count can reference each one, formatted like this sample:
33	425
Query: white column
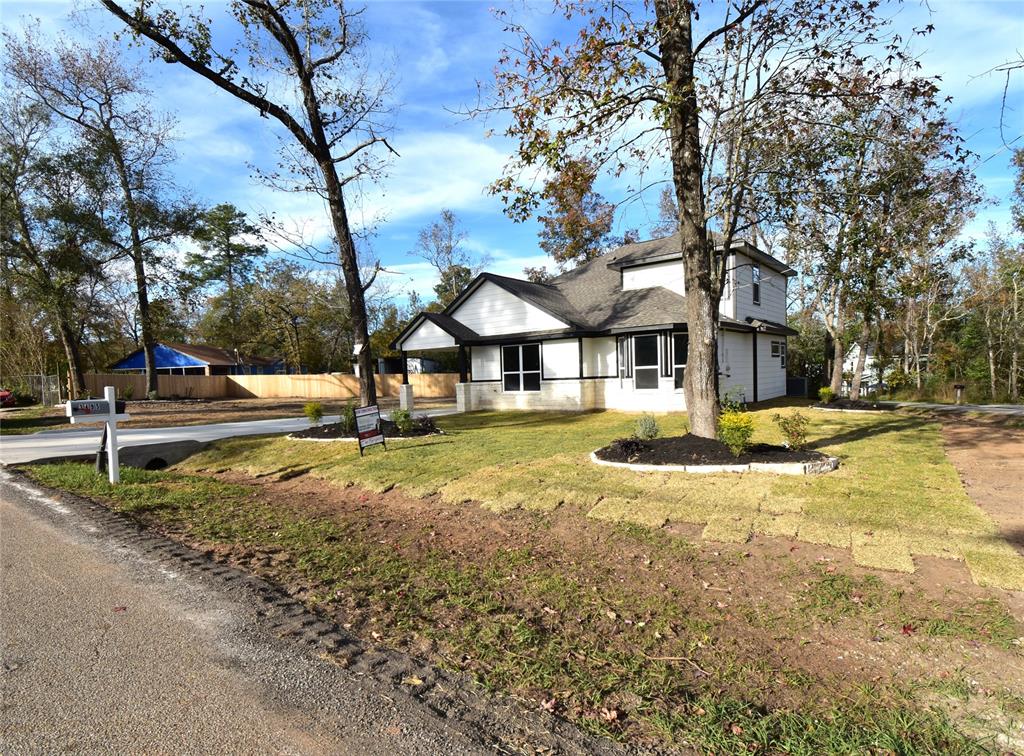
405	396
463	397
113	468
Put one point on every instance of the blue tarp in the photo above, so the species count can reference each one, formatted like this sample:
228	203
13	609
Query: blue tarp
165	358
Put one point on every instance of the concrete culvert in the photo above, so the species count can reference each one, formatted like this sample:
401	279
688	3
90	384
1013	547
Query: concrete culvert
157	463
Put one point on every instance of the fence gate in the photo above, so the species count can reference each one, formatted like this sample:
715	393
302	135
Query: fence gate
46	387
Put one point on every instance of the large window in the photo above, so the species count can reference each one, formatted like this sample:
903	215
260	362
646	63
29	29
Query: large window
520	366
755	283
680	349
645	361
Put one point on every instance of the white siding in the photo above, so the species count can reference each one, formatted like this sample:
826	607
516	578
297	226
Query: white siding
485	363
773	292
427	336
491	311
561	359
735	360
771	376
599	356
667	274
570	395
727	304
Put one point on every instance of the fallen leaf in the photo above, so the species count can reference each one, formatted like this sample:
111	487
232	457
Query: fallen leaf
412	680
120	609
611	615
736	730
908	629
609	715
549	704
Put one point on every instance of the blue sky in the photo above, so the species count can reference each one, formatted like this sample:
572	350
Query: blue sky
443	49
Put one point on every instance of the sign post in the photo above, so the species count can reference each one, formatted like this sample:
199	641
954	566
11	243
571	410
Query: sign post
368	427
107	410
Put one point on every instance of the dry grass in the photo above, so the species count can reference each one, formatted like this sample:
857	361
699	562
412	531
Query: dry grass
894	496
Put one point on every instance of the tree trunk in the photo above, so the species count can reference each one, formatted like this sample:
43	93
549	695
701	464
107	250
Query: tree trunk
673	18
138	255
862	355
76	376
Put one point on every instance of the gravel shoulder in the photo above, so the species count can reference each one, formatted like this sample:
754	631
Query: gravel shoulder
117	640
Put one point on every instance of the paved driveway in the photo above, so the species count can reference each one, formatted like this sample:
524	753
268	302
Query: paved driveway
1012	410
71	443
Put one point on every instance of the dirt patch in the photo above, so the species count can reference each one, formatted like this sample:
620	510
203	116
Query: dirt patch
694	450
743	617
991	466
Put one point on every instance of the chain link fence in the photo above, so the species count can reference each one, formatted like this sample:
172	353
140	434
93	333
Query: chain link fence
46	388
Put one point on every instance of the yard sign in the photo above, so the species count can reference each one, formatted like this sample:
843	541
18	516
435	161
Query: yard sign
368	427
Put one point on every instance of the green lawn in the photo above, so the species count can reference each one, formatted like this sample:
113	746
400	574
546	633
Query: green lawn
894	496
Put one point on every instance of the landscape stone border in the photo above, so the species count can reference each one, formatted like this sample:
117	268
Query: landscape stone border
780	468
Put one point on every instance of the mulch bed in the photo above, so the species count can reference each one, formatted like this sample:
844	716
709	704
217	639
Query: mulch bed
694	450
852	404
423	427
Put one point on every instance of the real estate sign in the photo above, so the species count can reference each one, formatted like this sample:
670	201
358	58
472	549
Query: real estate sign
368	427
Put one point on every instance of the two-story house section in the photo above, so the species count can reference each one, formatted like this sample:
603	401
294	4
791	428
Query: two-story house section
609	334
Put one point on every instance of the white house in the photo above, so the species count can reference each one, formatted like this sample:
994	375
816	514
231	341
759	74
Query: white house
608	334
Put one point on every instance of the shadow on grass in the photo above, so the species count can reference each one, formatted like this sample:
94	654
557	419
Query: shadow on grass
868	431
23	425
487	419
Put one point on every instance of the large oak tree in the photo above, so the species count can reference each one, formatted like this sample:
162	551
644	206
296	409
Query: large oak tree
303	63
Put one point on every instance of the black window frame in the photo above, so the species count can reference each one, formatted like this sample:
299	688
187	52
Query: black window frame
755	283
783	353
520	372
646	367
776	349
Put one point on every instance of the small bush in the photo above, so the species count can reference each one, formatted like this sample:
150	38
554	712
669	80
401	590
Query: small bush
646	427
348	418
153	395
733	400
735	429
128	391
794	428
314	411
826	394
403	421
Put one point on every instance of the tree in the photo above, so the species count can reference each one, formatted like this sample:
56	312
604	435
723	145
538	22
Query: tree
104	102
225	258
49	229
668	214
441	244
577	225
634	86
316	49
538	275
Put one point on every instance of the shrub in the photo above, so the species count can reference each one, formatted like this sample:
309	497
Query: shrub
646	427
314	411
403	421
153	395
348	418
733	400
826	394
128	391
735	429
794	428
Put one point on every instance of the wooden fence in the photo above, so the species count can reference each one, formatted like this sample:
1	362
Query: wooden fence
321	386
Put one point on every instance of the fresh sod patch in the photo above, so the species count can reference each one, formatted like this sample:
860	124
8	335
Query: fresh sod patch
625	630
894	496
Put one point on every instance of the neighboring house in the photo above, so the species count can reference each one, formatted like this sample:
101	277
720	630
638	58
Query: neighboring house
609	334
196	359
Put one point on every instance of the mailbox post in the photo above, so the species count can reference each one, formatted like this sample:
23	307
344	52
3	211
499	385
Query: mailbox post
104	410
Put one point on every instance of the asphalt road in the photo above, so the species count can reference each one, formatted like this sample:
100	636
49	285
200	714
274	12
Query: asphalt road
107	651
15	450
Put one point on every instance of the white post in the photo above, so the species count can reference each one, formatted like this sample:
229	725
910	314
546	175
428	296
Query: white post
113	469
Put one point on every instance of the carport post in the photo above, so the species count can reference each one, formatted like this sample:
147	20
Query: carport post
113	466
463	369
405	368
